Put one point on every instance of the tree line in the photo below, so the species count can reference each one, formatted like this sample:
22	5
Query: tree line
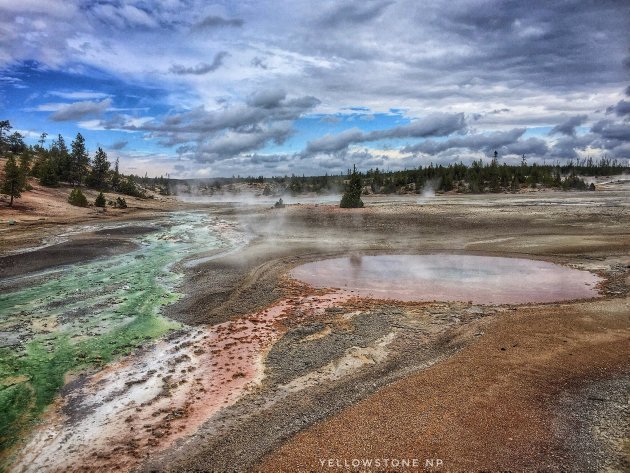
481	176
58	163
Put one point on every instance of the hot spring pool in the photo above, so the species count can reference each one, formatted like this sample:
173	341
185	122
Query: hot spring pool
479	279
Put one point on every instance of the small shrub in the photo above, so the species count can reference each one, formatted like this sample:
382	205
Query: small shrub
121	203
100	200
77	198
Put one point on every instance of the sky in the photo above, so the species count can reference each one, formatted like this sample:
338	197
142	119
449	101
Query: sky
196	89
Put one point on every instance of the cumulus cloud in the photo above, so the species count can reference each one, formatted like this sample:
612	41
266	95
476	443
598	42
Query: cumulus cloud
268	98
232	143
202	67
568	126
621	109
79	110
434	125
476	142
529	146
214	135
507	65
565	147
610	130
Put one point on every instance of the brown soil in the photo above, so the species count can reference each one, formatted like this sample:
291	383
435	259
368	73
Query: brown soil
477	387
43	212
488	408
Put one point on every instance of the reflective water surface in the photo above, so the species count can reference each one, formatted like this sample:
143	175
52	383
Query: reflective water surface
479	279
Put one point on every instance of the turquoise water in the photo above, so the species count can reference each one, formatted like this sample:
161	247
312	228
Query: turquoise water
85	315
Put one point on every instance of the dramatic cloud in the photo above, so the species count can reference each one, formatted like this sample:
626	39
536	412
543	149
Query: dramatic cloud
568	126
621	109
565	147
529	146
476	142
212	135
79	110
433	125
233	143
270	98
610	130
508	66
201	68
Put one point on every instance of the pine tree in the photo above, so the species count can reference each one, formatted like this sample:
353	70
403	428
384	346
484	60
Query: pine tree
5	127
77	198
79	159
16	143
100	167
116	176
13	182
352	196
48	173
60	159
25	164
100	200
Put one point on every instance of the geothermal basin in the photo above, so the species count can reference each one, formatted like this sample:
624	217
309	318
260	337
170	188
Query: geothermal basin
442	277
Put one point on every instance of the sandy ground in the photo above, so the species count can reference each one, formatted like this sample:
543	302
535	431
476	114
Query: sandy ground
43	213
476	387
467	387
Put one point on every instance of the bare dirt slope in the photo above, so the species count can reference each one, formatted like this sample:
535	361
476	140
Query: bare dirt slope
44	211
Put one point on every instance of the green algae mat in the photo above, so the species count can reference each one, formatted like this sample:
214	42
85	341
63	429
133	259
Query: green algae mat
82	316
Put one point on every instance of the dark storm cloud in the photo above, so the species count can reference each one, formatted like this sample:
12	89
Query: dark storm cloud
477	142
621	109
269	98
433	125
529	146
79	110
202	67
568	126
213	21
565	147
538	42
610	130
